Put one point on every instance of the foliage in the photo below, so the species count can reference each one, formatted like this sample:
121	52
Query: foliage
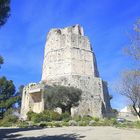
62	97
7	94
91	123
65	116
4	11
137	124
1	61
131	79
19	94
130	87
47	115
83	123
9	119
73	123
96	119
63	123
22	124
77	118
133	50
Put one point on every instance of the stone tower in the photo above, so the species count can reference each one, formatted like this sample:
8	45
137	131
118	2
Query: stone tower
69	61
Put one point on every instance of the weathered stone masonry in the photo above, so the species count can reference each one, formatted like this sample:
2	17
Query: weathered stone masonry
70	61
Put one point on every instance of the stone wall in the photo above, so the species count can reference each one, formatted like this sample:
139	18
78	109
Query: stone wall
32	99
70	61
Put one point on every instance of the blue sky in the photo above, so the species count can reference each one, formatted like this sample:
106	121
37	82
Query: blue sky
105	22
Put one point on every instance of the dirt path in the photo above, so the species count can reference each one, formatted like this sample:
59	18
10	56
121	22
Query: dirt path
70	133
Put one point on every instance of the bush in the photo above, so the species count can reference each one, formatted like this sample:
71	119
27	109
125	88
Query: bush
47	115
56	124
30	114
73	123
65	117
137	124
77	118
9	119
64	123
55	116
23	124
86	118
43	124
96	119
50	124
82	123
92	123
113	121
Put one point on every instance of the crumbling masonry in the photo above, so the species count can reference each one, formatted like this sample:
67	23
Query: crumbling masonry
69	61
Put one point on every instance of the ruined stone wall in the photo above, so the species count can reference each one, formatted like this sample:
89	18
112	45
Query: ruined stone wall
69	61
32	99
68	53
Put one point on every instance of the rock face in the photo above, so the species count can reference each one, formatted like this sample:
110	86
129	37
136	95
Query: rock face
70	61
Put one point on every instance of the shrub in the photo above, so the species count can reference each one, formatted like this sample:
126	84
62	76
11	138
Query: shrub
64	123
43	124
30	114
47	115
23	124
96	119
73	123
36	118
92	123
137	124
56	124
9	119
82	123
65	116
113	121
77	118
86	118
50	124
55	116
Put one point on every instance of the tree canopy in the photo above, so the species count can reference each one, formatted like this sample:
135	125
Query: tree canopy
130	87
1	61
133	49
62	97
4	11
8	95
130	83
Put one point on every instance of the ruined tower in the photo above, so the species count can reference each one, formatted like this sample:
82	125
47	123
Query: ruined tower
70	61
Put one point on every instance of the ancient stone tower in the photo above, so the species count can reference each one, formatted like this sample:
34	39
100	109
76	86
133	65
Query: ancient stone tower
70	61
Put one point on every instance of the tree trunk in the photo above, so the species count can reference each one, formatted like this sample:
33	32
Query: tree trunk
137	113
69	110
63	110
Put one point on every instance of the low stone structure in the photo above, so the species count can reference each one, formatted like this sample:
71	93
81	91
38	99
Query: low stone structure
70	61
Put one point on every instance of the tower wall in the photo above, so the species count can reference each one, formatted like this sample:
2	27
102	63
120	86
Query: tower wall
70	61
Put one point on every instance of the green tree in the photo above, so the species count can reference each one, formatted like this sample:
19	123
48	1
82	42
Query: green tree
19	94
62	97
4	14
8	96
1	61
4	11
